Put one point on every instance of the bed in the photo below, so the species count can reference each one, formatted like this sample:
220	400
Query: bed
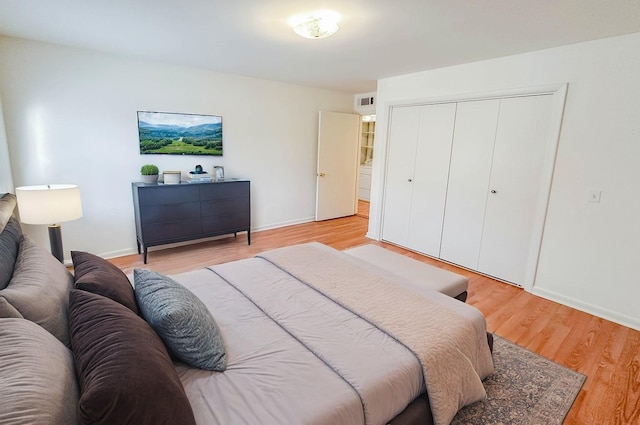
309	335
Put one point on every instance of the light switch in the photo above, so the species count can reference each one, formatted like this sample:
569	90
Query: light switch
594	195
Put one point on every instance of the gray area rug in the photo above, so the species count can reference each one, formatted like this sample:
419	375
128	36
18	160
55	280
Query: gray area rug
526	389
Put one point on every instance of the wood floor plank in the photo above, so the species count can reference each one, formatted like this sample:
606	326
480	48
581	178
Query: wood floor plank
608	353
624	387
599	369
551	338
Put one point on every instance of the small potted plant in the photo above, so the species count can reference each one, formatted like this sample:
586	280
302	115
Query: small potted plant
149	173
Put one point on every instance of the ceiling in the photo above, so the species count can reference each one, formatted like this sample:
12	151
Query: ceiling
377	38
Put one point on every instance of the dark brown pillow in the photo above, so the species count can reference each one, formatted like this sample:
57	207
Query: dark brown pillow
124	370
97	275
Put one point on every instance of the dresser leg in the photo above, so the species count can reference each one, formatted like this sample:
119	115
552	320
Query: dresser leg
248	236
145	255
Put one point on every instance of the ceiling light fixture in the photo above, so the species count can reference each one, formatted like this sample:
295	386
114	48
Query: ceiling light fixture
318	24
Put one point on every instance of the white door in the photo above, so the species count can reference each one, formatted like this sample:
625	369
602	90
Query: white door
433	153
514	190
336	189
404	127
417	168
469	174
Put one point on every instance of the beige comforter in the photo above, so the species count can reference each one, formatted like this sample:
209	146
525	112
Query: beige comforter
293	355
453	353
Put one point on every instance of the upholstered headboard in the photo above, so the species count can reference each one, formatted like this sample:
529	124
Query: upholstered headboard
7	208
10	233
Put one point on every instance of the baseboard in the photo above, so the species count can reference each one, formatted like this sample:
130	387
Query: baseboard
373	236
604	313
283	224
118	253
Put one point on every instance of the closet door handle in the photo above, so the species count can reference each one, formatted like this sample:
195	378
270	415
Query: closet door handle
494	191
409	180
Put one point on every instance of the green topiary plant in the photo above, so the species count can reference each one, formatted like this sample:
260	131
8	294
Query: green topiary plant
149	170
149	173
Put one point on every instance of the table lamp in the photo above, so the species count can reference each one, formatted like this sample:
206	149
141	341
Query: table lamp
50	204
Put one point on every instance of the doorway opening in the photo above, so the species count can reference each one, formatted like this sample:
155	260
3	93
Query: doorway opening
367	136
363	209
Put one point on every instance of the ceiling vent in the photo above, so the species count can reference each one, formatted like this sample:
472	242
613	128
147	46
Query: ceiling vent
365	103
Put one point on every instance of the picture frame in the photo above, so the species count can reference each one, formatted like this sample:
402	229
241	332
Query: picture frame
174	133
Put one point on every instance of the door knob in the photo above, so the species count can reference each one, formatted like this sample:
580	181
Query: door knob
494	191
321	174
409	180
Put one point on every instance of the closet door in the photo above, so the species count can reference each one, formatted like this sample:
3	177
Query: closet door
469	173
514	187
433	153
403	136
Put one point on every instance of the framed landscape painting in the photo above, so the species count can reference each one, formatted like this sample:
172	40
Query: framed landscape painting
179	134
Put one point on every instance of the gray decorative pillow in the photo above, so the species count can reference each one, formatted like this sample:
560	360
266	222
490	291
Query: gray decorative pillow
37	377
9	243
7	311
39	289
182	321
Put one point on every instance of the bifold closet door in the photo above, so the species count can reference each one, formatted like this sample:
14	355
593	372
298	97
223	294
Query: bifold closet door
464	182
433	153
515	188
417	168
403	137
469	174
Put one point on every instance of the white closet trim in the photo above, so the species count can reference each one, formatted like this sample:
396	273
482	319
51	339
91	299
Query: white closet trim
552	89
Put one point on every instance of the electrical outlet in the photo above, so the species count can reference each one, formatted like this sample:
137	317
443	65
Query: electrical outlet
594	195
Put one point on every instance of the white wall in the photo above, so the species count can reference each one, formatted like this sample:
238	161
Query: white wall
590	251
70	117
6	179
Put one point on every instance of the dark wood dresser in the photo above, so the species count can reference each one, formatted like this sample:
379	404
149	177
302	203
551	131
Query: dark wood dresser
187	211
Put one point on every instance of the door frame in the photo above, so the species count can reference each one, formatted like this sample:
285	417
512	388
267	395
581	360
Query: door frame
559	95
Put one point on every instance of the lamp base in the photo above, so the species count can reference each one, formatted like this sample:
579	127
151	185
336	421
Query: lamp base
55	239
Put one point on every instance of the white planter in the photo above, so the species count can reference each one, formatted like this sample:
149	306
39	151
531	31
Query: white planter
150	179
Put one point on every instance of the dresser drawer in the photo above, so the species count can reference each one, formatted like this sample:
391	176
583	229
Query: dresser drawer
224	207
223	223
169	194
174	212
168	231
224	190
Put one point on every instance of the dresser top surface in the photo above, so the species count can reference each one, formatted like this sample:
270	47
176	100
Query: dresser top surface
187	183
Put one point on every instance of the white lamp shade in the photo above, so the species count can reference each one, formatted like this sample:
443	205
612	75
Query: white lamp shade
49	204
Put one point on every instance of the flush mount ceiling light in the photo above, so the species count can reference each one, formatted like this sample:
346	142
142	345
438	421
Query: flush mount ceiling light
318	24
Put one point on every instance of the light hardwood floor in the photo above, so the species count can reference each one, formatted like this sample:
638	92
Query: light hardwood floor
609	354
363	208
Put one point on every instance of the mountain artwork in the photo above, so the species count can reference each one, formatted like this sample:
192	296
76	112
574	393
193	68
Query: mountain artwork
179	134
